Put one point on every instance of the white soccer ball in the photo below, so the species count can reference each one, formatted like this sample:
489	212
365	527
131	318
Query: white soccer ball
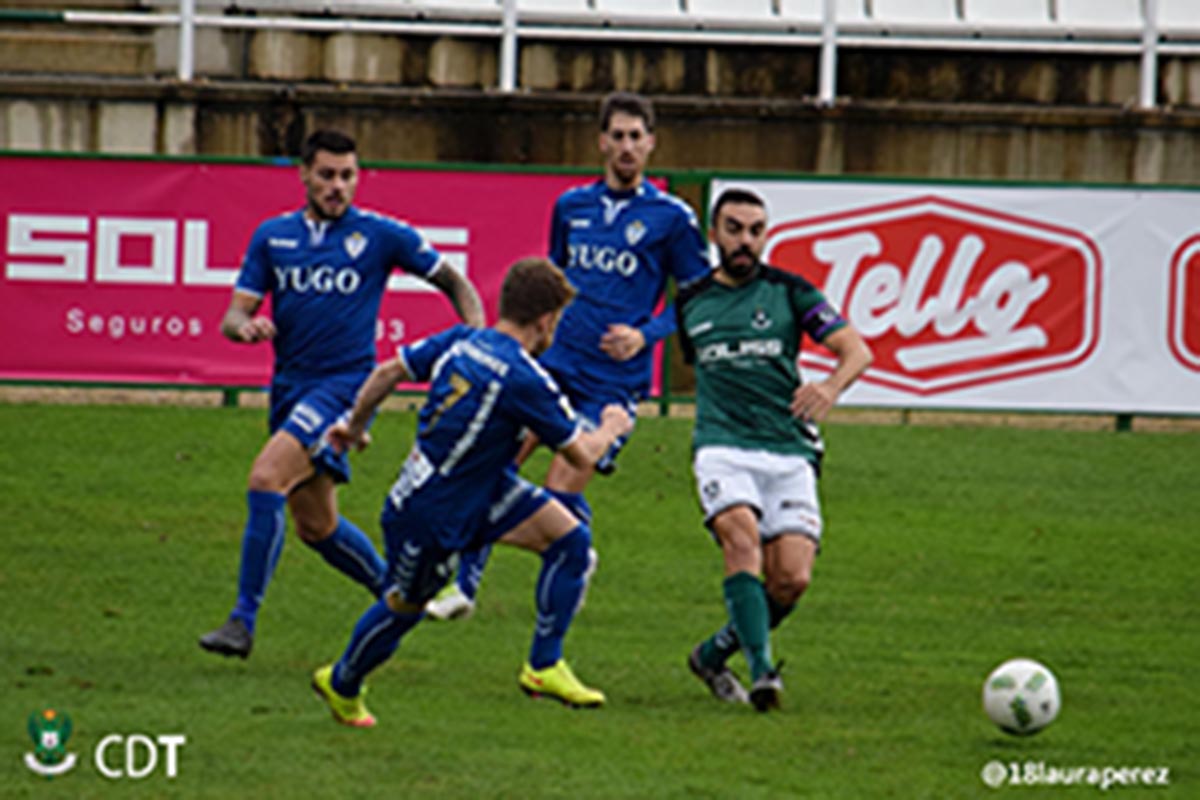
1021	696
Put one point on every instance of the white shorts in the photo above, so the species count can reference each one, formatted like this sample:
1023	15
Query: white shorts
781	490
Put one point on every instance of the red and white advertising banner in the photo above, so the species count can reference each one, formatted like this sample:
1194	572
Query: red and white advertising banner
119	271
1065	299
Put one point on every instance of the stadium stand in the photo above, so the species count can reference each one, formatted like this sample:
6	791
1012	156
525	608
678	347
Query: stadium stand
1090	28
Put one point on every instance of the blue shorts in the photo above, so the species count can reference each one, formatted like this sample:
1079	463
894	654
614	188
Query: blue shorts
306	408
422	557
588	398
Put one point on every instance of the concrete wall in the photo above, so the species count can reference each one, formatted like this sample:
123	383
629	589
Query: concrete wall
914	139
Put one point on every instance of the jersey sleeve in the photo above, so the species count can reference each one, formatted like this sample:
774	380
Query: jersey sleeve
410	250
688	251
815	315
545	409
421	356
558	237
255	276
681	303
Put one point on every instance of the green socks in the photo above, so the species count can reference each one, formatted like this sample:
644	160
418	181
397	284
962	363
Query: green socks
746	601
715	650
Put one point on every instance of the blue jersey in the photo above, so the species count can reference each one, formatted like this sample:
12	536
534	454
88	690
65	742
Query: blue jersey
485	390
326	281
617	249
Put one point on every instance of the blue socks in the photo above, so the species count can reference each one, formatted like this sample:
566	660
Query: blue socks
560	586
375	638
470	570
262	541
350	551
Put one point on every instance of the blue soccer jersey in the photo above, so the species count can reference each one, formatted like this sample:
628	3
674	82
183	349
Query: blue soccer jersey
485	390
617	249
326	281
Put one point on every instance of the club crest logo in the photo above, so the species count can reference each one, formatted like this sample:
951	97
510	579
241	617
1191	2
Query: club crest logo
50	731
355	243
634	232
759	320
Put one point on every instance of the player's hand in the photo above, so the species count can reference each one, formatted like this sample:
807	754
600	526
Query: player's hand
256	329
622	342
342	437
812	401
616	419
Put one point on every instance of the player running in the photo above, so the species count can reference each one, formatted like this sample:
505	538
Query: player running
617	240
325	268
757	451
458	488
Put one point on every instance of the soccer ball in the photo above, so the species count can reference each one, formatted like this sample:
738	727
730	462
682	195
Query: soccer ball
1021	696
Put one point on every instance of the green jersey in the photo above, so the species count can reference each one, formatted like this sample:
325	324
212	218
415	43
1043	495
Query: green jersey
744	342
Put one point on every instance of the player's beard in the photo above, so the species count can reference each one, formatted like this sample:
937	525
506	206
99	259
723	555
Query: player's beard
318	210
739	270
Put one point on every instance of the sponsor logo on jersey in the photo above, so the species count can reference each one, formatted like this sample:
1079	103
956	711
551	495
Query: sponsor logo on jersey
759	319
634	232
950	295
1183	318
702	327
282	244
747	348
355	243
579	224
602	258
317	279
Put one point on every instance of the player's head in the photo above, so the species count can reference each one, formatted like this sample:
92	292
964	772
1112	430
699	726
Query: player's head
626	138
739	230
329	170
532	297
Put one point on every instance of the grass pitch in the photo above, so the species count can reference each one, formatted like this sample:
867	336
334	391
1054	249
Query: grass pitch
947	551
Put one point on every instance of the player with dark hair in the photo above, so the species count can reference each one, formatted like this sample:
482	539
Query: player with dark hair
618	240
757	451
325	267
458	488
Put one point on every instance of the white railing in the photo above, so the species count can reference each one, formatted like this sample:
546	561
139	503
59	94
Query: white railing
1144	28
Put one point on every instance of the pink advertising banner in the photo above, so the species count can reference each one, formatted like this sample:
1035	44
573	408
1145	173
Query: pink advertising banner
119	271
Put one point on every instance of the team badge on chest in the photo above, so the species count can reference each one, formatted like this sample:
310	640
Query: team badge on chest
634	232
355	243
759	320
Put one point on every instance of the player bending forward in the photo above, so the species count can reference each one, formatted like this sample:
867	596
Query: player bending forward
459	490
757	451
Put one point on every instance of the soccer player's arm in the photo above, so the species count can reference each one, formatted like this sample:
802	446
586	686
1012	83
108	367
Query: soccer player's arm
688	263
240	323
548	413
812	401
416	255
460	292
588	447
411	362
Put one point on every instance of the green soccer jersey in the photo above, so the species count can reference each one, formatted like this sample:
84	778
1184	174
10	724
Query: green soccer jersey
743	342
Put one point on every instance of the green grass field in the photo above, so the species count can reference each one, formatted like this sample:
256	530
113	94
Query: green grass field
947	551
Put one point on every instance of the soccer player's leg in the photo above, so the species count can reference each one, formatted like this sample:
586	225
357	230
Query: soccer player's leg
314	503
457	600
534	521
731	503
417	569
281	464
